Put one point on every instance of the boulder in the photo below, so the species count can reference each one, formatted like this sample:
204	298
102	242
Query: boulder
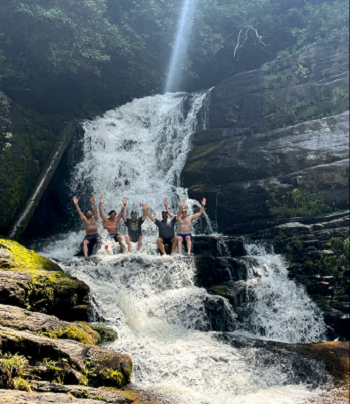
43	324
51	358
5	378
32	281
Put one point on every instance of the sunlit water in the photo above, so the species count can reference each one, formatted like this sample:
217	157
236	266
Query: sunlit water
138	151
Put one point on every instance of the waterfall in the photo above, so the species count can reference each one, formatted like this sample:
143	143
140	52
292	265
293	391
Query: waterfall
278	309
161	317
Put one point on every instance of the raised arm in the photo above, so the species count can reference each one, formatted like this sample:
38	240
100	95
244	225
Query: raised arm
167	209
144	213
181	207
104	218
76	200
93	200
200	213
122	214
145	208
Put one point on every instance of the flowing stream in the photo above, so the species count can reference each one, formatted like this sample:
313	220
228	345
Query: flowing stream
138	151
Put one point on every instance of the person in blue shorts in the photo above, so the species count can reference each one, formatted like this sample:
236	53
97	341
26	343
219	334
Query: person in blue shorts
184	223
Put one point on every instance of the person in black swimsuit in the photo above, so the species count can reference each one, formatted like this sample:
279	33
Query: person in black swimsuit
134	227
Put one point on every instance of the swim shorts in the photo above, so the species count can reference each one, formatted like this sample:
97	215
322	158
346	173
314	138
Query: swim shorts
167	240
134	239
93	238
183	236
113	236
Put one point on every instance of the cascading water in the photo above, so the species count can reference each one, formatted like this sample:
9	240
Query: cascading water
138	151
278	309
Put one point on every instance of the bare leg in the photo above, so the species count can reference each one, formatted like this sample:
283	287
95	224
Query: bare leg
85	248
120	239
179	245
161	246
139	243
189	245
174	241
127	240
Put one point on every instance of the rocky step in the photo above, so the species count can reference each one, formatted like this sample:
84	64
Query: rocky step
43	324
70	361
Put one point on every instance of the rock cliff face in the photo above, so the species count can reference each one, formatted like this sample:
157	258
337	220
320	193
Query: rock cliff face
277	128
283	92
237	172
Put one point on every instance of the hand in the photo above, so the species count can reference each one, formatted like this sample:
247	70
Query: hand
144	205
181	203
101	200
125	201
165	202
123	208
204	202
93	198
75	200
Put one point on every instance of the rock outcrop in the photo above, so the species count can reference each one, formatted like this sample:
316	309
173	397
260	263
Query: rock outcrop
34	282
50	326
237	173
283	92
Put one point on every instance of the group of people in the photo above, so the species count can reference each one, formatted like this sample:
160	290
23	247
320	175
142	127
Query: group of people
166	227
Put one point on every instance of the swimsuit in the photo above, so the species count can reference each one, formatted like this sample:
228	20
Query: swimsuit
183	236
113	236
93	238
167	240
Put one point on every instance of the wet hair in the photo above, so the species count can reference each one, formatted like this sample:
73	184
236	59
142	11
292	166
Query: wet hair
112	211
164	211
87	211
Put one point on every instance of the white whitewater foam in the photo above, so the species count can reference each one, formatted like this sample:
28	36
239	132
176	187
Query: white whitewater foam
138	151
280	309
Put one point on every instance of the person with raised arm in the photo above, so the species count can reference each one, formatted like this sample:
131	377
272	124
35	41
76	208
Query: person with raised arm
184	223
111	225
166	228
90	222
134	227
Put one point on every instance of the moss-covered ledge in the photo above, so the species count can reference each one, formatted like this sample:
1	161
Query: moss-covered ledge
36	283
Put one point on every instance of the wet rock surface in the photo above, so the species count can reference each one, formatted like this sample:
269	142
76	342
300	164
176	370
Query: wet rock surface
278	94
236	174
306	363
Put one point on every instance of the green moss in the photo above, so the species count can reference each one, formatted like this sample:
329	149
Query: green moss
106	334
219	290
26	260
297	202
72	331
22	384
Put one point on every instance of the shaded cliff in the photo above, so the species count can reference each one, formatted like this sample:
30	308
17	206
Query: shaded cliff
268	135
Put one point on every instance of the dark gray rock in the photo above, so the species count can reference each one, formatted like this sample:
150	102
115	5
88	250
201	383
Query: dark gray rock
234	173
278	94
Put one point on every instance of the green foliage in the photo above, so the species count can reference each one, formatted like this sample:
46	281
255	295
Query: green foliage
325	22
298	202
22	384
14	363
336	265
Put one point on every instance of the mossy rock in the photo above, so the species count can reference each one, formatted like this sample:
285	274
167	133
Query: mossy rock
36	283
106	334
